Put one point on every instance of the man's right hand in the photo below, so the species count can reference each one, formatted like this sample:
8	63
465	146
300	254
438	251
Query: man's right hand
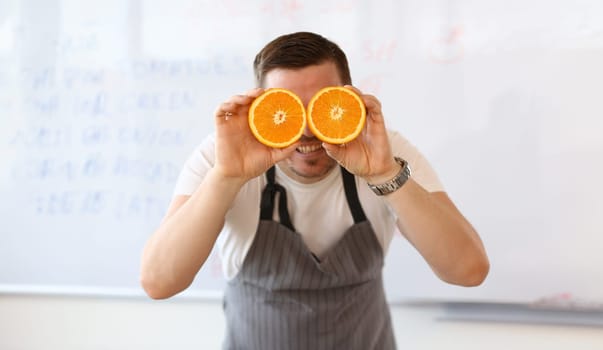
238	153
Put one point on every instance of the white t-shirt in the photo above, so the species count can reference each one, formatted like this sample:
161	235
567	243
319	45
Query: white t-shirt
319	211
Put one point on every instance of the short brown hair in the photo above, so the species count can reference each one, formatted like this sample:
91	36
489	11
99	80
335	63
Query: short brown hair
299	50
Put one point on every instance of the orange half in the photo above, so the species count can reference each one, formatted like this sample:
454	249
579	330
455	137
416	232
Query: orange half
336	115
277	118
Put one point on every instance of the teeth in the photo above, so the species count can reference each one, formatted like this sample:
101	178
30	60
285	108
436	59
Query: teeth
308	149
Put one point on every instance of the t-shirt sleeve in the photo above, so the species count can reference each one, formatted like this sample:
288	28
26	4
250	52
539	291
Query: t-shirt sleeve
196	167
422	172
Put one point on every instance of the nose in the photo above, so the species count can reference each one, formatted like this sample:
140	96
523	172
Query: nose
307	132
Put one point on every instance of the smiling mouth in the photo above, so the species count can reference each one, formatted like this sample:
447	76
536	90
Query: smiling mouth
308	148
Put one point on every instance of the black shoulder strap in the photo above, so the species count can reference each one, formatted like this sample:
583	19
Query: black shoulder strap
268	199
351	194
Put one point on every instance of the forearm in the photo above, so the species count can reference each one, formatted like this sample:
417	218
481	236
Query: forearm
185	238
440	233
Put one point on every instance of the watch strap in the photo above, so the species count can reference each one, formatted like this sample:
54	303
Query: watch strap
394	184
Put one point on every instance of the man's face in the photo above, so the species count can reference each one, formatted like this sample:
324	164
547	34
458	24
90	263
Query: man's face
309	163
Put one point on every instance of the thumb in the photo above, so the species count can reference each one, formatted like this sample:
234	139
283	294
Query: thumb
334	151
283	153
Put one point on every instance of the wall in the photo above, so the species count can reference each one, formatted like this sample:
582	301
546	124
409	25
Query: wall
102	101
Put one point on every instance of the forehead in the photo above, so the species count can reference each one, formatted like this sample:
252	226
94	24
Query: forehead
310	77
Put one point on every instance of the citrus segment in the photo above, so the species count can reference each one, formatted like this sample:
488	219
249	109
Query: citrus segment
277	118
336	115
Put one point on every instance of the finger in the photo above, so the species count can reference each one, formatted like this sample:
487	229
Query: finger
373	109
335	151
372	103
241	100
284	153
234	106
255	92
237	104
226	110
355	89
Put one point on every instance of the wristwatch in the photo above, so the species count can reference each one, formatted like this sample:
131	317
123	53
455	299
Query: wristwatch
395	183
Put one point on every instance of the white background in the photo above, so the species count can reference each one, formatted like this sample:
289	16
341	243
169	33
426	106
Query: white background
101	102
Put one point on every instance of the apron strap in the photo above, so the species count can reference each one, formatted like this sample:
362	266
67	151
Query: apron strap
272	188
351	194
268	198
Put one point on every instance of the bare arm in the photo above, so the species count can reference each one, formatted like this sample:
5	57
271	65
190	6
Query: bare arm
179	247
183	241
430	221
436	228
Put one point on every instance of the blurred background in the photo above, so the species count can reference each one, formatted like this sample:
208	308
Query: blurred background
102	102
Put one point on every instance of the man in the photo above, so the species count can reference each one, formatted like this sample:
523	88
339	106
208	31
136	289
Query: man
302	231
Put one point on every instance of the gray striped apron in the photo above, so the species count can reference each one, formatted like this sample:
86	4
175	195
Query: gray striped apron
285	298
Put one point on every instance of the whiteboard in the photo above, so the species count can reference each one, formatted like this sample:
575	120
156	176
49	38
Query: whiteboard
101	102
